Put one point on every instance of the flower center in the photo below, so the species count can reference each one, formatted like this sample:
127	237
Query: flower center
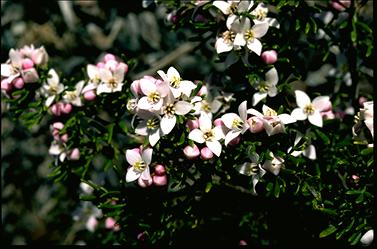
53	89
154	97
205	106
131	104
152	123
237	124
71	95
140	166
260	14
253	169
169	110
249	35
112	83
229	36
309	109
175	82
232	8
263	87
269	112
208	135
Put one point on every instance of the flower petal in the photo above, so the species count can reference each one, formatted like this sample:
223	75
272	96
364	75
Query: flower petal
92	71
242	110
286	118
143	103
228	119
321	103
167	124
154	136
239	40
260	29
132	157
299	114
257	97
223	6
172	74
254	112
214	146
103	88
205	123
255	46
182	107
310	152
232	134
316	119
132	174
218	132
221	46
146	155
197	136
146	86
302	99
54	77
272	76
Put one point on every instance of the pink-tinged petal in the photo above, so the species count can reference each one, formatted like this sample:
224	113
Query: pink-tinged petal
272	76
222	46
214	146
132	157
322	103
154	137
218	132
197	136
183	107
167	124
239	40
242	110
272	91
147	86
228	119
286	118
230	20
255	46
105	74
15	57
257	97
132	174
231	135
55	149
302	99
144	104
223	6
260	29
310	152
316	119
186	87
54	77
256	178
6	70
119	74
205	122
146	175
92	71
254	112
299	114
163	75
89	87
146	155
141	129
102	88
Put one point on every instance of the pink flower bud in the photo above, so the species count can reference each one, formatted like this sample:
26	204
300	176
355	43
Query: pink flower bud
203	91
66	108
18	83
58	125
64	138
111	65
339	6
159	170
191	152
100	65
55	134
327	115
124	66
269	56
6	86
242	243
30	75
39	56
206	153
362	99
27	63
355	177
160	180
110	223
256	124
144	182
90	95
91	223
56	109
108	57
235	140
218	122
135	88
141	236
137	150
192	124
75	154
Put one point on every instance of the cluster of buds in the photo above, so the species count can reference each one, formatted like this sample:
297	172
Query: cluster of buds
58	146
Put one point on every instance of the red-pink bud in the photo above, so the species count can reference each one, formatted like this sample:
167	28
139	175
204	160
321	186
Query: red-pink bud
269	56
64	138
6	86
18	83
108	57
27	63
100	65
255	124
242	243
124	66
110	223
235	140
218	122
56	109
66	108
191	152
203	91
159	170
362	99
135	87
160	180
90	95
339	6
144	183
192	124
206	153
55	134
75	154
58	125
30	75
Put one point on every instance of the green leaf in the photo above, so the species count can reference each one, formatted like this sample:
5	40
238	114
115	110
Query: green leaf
328	231
208	187
366	151
87	197
277	190
323	136
110	129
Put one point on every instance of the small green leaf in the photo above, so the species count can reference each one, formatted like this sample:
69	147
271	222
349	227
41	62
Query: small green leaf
277	190
328	231
366	151
87	197
208	187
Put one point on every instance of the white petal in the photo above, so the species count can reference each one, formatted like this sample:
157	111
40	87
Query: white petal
79	87
321	103
255	46
302	99
54	77
367	238
316	119
296	153
62	156
286	118
239	40
173	73
298	114
272	22
182	107
230	20
228	119
256	179
77	102
260	29
231	135
205	123
119	74
147	86
218	133
50	100
132	157
272	91
167	124
242	110
92	71
6	70
245	169
154	137
254	112
163	76
55	149
214	146
272	76
223	6
187	87
257	97
144	104
132	174
310	152
197	136
105	74
146	155
222	47
146	175
103	88
141	129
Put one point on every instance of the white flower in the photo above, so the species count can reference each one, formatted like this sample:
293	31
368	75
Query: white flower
149	126
73	97
52	88
13	67
170	110
176	84
94	74
110	82
58	149
252	169
154	94
274	164
225	43
267	87
309	110
247	35
260	13
367	238
208	135
233	7
139	164
236	123
308	152
205	105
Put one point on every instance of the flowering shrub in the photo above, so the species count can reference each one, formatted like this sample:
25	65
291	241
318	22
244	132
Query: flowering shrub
264	126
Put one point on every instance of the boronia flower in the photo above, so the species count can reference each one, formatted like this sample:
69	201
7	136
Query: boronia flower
110	81
252	169
176	84
260	13
267	87
149	126
233	7
154	94
310	109
52	88
309	151
74	97
236	123
273	165
208	135
139	162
